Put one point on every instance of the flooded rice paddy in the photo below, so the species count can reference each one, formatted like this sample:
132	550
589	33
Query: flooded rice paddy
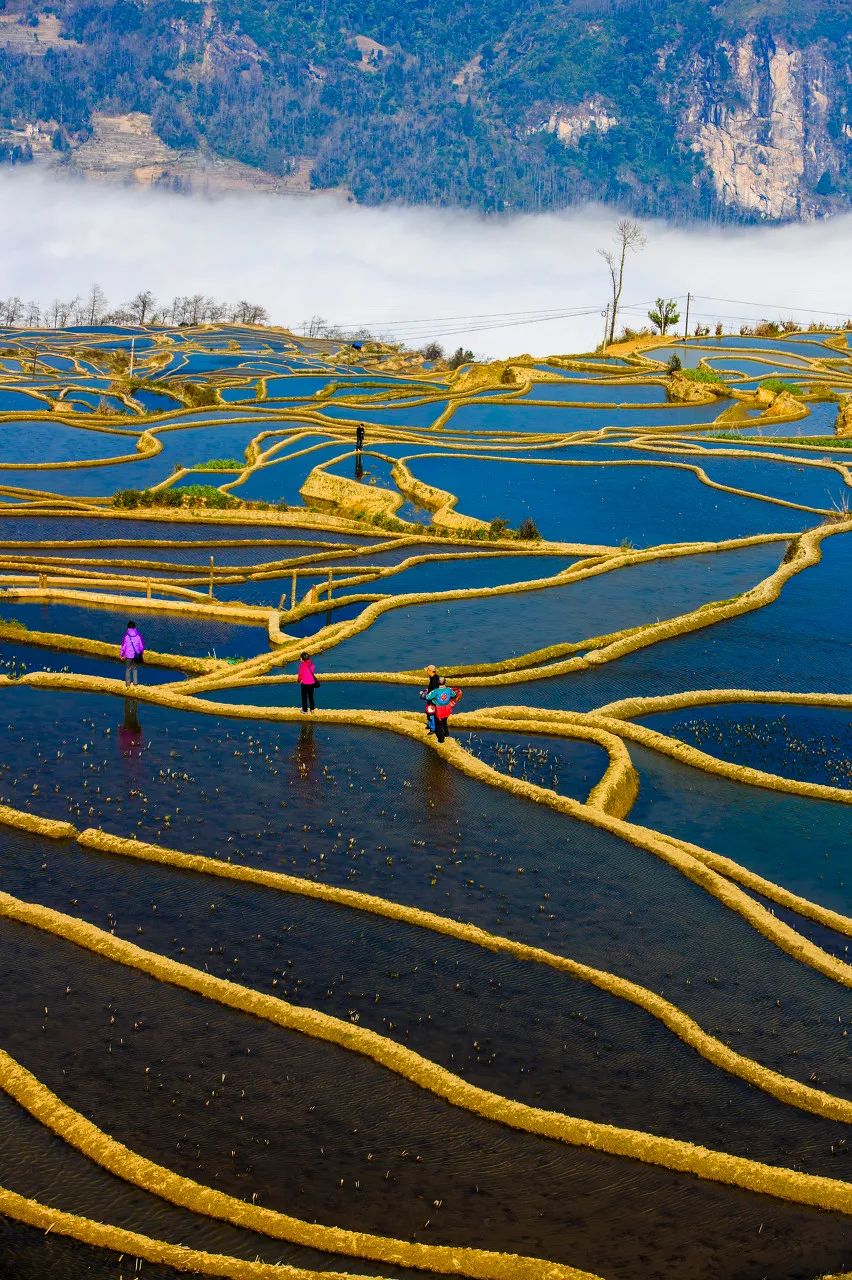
566	995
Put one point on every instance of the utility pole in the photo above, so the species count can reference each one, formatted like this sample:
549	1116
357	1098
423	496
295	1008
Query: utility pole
686	318
605	315
132	355
35	361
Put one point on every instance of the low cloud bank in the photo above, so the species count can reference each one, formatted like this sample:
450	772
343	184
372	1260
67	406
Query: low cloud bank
422	273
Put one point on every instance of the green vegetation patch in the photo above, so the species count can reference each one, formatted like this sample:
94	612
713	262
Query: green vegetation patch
703	375
781	384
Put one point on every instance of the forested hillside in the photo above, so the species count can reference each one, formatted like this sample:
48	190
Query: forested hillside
740	111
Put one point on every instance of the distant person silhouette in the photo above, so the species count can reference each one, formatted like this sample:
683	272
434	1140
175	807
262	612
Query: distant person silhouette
359	436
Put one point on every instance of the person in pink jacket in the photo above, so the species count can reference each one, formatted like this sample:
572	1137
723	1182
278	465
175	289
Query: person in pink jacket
132	652
307	678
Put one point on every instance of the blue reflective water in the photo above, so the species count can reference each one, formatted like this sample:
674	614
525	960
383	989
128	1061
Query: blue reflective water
281	480
526	417
812	744
806	845
155	401
492	628
820	421
799	643
412	416
606	504
12	401
165	633
38	441
606	393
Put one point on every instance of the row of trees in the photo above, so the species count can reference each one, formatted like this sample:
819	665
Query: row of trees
94	308
318	327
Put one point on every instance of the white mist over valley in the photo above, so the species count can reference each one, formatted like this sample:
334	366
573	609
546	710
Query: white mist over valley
414	273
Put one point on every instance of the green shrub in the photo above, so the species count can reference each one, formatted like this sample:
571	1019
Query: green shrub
206	495
126	498
528	530
220	464
194	495
198	395
781	384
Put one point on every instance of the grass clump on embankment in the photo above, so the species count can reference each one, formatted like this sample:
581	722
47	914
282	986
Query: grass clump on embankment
191	497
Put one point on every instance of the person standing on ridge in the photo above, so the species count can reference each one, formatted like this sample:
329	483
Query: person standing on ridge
307	680
359	436
132	653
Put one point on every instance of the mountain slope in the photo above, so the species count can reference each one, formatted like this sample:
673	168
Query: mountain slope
742	110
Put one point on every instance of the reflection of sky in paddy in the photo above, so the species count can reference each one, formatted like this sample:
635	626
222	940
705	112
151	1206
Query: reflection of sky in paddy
411	416
281	481
645	504
606	393
802	843
180	448
815	649
544	419
491	628
165	633
820	421
56	442
12	401
812	744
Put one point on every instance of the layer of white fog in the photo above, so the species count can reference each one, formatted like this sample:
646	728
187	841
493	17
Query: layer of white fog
409	270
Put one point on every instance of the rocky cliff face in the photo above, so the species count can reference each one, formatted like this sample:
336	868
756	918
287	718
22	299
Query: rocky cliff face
768	120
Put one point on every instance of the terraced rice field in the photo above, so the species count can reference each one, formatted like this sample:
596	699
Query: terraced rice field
566	996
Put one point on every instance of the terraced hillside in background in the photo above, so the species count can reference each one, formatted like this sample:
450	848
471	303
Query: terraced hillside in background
565	997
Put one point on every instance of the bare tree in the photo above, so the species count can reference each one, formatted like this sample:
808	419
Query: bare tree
216	311
250	313
314	327
32	318
141	305
628	239
95	304
11	310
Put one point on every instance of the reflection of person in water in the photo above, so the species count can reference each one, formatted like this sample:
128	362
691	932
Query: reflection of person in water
304	755
359	466
439	789
130	732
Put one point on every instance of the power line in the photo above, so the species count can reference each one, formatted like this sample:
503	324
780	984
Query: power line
473	315
414	329
772	306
